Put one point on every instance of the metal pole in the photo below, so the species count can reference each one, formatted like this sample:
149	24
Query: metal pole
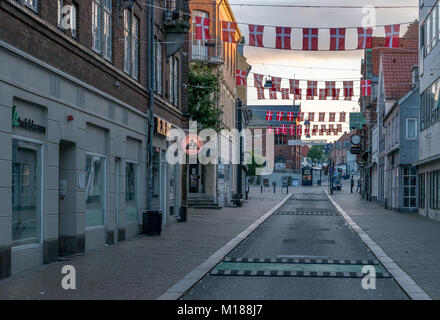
240	128
151	81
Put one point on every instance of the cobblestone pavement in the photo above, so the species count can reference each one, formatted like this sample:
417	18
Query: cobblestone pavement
411	240
143	267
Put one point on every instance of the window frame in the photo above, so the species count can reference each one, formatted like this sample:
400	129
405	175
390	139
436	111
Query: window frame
31	4
104	159
136	186
415	129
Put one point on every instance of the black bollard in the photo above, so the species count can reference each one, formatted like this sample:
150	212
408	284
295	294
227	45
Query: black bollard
261	189
274	189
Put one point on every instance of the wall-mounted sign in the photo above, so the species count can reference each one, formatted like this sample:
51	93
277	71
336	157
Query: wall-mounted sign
27	124
356	150
162	127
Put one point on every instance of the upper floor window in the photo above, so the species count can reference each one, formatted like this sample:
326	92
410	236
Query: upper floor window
131	44
33	4
67	17
102	27
174	80
411	129
158	59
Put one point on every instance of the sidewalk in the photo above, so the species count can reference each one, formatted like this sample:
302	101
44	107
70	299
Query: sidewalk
411	240
144	267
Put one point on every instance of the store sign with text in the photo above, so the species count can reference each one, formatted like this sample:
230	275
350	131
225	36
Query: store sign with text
25	123
162	127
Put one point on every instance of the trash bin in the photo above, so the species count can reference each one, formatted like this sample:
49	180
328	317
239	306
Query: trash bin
183	214
152	223
319	182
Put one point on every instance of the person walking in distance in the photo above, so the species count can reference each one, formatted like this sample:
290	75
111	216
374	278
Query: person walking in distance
358	189
352	184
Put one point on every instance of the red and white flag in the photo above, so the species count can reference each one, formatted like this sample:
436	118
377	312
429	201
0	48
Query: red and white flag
365	38
269	115
294	87
310	39
284	129
331	128
272	94
283	38
307	130
256	35
339	127
299	130
277	130
241	76
330	86
228	31
280	116
336	94
342	116
290	116
366	88
292	129
312	88
298	96
321	116
202	28
337	39
285	94
348	90
276	84
322	94
332	117
269	130
392	36
260	93
315	130
321	132
258	80
300	116
311	116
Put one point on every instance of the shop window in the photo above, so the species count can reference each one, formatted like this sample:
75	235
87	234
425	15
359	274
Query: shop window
422	191
95	191
131	191
26	193
409	187
435	189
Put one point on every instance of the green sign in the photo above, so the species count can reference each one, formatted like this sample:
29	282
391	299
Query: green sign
357	120
15	122
28	124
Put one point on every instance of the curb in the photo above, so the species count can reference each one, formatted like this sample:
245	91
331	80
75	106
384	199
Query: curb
176	291
403	280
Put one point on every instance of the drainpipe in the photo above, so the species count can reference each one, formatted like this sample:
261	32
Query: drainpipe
151	80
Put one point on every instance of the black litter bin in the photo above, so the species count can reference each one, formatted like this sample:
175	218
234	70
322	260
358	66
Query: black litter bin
183	214
152	223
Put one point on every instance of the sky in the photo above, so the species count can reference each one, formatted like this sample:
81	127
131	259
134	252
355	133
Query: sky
336	66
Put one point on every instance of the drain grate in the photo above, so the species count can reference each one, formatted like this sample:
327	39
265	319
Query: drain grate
308	199
305	213
309	241
301	260
274	273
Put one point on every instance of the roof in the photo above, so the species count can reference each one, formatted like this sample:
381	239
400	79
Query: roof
305	151
259	115
397	73
345	137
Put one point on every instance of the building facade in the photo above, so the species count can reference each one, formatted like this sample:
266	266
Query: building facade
74	134
429	148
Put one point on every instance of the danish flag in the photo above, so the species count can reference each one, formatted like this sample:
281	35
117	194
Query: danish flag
280	116
321	116
294	87
321	132
276	84
332	117
336	94
315	130
228	30
292	129
277	130
310	97
337	39
269	130
311	116
307	130
285	94
269	115
330	87
298	96
365	38
272	94
312	88
392	36
342	116
339	128
300	116
331	128
299	130
290	116
348	90
202	28
258	80
322	94
284	129
260	93
241	77
366	88
310	39
256	35
283	38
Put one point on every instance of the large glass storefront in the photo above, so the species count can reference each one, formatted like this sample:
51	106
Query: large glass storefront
95	191
131	192
26	192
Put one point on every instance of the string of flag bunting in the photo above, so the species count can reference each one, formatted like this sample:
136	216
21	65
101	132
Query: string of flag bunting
307	130
301	116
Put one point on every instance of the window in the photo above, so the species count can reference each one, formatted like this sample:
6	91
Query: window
199	50
96	25
26	193
422	190
102	27
33	4
131	191
174	80
409	187
435	189
107	30
430	105
158	85
411	129
95	191
131	44
67	17
280	139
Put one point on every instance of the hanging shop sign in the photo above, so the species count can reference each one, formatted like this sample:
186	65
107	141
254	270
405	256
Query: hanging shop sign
25	123
162	127
356	150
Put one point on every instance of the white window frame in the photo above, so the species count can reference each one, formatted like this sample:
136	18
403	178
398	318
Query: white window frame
415	129
137	180
159	68
72	12
42	209
97	26
131	44
92	154
33	4
107	31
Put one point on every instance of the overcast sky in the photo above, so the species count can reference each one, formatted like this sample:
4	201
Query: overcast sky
262	59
